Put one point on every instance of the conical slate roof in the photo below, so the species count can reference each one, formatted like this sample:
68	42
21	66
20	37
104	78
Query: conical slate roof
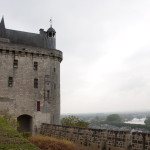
2	28
51	30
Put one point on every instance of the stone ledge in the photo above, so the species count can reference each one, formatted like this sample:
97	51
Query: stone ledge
5	40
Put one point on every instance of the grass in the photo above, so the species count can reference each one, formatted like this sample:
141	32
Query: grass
10	139
50	143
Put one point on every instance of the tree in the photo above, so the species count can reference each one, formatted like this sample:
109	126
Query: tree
147	120
113	118
73	121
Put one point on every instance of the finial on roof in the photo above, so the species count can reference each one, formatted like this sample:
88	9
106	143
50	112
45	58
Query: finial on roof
51	29
51	22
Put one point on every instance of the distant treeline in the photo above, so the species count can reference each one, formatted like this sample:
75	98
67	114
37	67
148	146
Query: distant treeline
121	124
116	120
133	126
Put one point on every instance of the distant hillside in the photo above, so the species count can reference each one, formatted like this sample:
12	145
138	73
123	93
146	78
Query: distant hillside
10	139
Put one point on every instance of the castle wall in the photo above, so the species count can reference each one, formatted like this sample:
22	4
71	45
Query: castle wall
141	141
99	139
90	139
22	97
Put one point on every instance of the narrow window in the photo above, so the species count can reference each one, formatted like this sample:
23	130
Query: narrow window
38	105
54	69
35	83
55	86
15	63
47	93
50	34
10	81
35	65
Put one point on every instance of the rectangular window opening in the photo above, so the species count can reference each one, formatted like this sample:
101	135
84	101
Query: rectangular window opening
55	86
35	65
54	69
15	63
47	93
35	83
38	105
10	81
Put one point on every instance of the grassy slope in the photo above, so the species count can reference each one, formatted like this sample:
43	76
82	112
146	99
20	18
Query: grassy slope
10	139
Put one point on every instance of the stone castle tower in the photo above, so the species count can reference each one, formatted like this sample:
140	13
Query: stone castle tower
30	77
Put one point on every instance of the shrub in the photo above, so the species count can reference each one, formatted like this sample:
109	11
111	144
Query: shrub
26	135
113	118
5	114
50	143
73	121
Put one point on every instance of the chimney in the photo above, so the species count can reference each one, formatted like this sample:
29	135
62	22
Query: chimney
42	31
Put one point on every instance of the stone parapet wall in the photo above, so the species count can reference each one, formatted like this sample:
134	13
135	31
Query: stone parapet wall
140	141
90	139
99	139
23	50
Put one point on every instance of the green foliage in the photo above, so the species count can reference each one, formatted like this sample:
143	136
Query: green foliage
81	123
96	122
121	124
26	135
133	126
147	121
73	121
113	118
9	118
10	139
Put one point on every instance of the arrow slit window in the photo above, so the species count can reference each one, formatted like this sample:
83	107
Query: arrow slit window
10	81
15	63
35	65
35	83
38	105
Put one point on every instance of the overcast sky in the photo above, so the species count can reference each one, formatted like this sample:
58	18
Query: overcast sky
106	48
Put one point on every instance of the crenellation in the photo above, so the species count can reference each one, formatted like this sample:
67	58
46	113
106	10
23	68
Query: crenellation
28	48
34	54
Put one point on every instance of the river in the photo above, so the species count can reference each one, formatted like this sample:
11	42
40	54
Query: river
136	121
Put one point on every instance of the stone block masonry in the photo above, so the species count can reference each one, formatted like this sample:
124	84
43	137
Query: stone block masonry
90	139
21	98
99	139
30	77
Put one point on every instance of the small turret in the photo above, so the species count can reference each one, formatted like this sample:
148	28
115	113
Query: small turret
51	32
51	35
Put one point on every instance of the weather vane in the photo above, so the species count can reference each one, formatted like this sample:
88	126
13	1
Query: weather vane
51	22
